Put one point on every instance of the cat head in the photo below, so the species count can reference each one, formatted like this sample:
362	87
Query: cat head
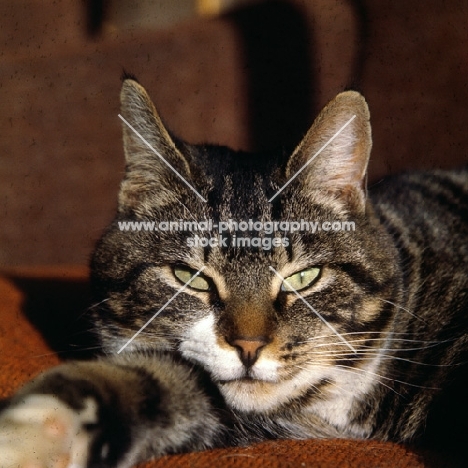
268	307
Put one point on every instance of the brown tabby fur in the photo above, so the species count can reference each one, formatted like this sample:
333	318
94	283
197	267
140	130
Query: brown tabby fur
374	347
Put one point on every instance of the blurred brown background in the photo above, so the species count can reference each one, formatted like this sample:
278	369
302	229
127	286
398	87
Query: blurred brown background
248	74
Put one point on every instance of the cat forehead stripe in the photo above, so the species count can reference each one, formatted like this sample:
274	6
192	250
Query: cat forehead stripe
331	327
162	158
312	158
161	309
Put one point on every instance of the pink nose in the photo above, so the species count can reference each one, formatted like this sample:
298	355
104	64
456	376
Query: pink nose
249	349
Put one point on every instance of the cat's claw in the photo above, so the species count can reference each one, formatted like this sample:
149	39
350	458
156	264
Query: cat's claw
43	432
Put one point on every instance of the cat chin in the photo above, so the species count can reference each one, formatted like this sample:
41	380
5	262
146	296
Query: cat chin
259	396
253	395
264	395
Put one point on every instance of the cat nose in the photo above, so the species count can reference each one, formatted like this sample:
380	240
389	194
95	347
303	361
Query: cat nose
249	349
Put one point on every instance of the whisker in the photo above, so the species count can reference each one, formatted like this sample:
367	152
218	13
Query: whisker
67	351
357	369
364	355
424	343
380	333
364	348
314	386
92	306
390	357
89	308
351	370
403	308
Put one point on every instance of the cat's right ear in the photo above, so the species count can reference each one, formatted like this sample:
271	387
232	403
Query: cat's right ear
149	151
331	161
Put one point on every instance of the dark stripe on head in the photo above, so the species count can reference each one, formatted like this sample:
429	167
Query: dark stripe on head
363	278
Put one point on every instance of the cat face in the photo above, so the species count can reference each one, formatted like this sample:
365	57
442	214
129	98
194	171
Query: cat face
274	316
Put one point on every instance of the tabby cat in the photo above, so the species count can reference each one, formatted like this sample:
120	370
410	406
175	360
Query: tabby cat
208	342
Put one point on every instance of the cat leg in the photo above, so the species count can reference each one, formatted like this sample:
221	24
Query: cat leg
113	412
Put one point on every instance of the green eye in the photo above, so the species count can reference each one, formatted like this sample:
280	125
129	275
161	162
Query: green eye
184	274
300	280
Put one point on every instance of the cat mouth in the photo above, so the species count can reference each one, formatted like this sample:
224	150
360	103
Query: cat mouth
247	378
246	382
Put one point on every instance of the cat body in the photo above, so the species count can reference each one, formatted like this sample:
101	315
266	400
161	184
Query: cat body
236	333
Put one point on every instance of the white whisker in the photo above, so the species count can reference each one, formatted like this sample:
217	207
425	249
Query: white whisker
345	390
402	308
357	369
352	370
380	333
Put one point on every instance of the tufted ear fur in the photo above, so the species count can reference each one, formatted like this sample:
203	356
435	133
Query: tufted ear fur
338	168
149	151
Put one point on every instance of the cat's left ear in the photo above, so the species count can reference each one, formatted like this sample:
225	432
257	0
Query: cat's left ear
332	158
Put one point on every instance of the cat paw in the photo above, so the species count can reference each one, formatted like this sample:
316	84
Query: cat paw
42	432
